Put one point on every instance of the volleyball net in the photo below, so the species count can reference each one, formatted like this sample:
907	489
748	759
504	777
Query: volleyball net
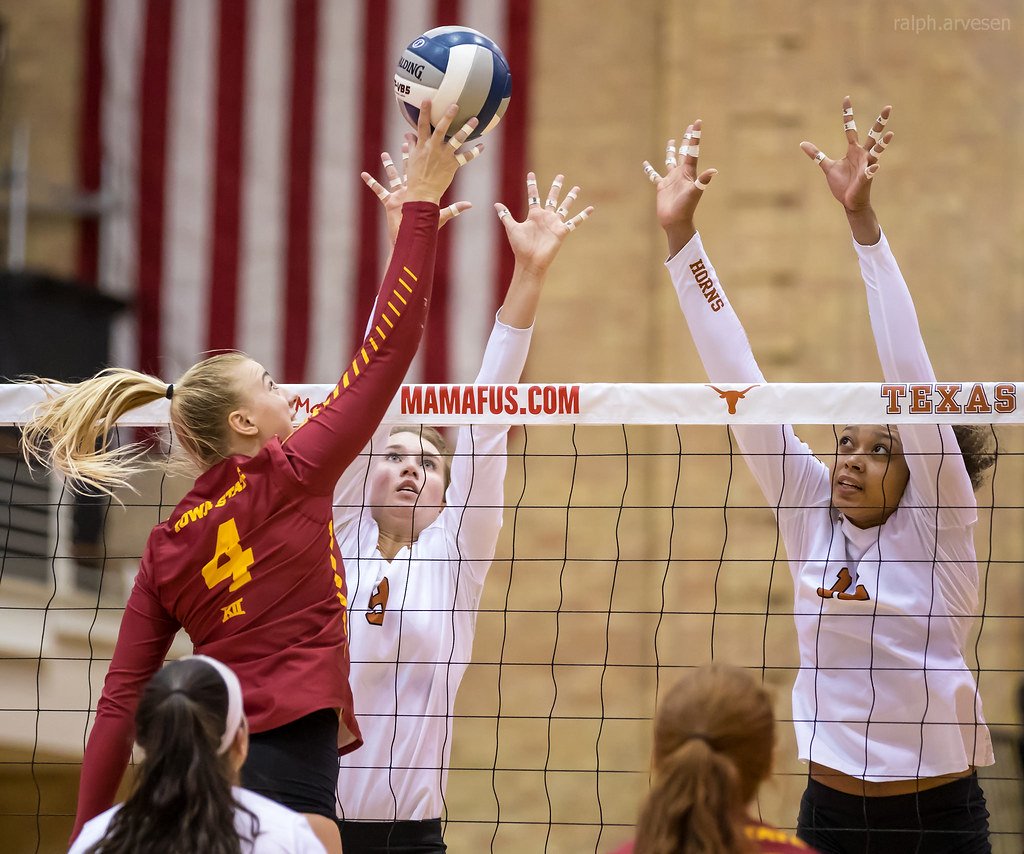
635	544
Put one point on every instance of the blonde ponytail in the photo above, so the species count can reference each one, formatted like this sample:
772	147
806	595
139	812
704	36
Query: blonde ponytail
72	431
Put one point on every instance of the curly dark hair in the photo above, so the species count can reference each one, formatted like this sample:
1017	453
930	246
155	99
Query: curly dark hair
978	447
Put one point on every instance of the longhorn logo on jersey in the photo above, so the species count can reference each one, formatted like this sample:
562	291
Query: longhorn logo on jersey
378	599
838	590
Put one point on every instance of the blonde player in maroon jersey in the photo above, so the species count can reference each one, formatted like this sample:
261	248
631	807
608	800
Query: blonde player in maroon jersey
881	549
418	528
714	735
247	563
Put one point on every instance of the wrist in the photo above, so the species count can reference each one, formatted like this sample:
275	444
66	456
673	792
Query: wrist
679	234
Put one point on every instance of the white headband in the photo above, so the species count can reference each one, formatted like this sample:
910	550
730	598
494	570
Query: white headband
233	720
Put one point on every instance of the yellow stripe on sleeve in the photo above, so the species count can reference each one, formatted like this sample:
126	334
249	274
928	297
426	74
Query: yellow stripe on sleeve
397	294
387	320
366	359
373	344
380	332
355	368
391	305
344	380
401	281
412	275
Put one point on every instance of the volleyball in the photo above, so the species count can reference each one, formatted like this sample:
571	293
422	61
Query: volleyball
454	65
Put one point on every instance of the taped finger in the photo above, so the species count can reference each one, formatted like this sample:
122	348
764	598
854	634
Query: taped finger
651	174
462	134
564	208
376	186
574	223
463	158
670	154
394	179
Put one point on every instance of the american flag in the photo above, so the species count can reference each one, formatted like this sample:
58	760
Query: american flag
228	137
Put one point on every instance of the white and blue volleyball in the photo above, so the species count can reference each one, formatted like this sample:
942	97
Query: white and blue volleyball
454	65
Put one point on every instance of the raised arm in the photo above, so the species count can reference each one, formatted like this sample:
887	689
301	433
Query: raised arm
146	633
475	497
775	455
337	430
938	475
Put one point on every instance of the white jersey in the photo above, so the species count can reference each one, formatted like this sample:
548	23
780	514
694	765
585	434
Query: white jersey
281	831
411	621
883	690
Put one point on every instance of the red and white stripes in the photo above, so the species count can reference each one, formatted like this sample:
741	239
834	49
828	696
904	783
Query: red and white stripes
230	136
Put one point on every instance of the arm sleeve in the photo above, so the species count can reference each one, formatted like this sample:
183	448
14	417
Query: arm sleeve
938	475
323	447
784	467
474	501
146	633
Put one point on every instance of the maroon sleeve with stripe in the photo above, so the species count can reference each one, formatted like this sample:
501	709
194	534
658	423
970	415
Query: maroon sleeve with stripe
337	430
146	633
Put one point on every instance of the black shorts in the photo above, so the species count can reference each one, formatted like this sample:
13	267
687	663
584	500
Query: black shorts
392	837
296	764
947	819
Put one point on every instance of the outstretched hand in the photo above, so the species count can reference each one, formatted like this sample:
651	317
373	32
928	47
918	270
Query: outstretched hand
392	199
850	179
536	240
681	188
433	160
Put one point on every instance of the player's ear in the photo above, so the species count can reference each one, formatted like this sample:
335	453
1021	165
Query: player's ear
239	421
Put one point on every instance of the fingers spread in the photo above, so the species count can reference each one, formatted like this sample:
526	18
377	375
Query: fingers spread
504	215
374	185
701	181
423	121
452	211
878	127
574	223
462	134
817	155
441	129
556	189
462	158
651	174
879	147
693	138
849	125
532	195
394	179
565	207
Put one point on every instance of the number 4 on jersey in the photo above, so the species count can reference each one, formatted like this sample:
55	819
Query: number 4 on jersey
229	560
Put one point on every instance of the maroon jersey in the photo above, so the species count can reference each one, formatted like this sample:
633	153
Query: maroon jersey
768	839
248	564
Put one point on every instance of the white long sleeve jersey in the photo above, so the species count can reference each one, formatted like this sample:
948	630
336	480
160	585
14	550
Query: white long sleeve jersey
412	621
883	690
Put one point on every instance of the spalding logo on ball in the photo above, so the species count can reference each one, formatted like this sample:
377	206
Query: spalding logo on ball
454	65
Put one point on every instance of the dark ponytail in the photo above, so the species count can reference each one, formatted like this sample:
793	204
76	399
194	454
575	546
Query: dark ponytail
713	742
182	800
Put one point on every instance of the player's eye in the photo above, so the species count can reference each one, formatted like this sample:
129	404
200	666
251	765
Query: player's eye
429	463
393	457
880	449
